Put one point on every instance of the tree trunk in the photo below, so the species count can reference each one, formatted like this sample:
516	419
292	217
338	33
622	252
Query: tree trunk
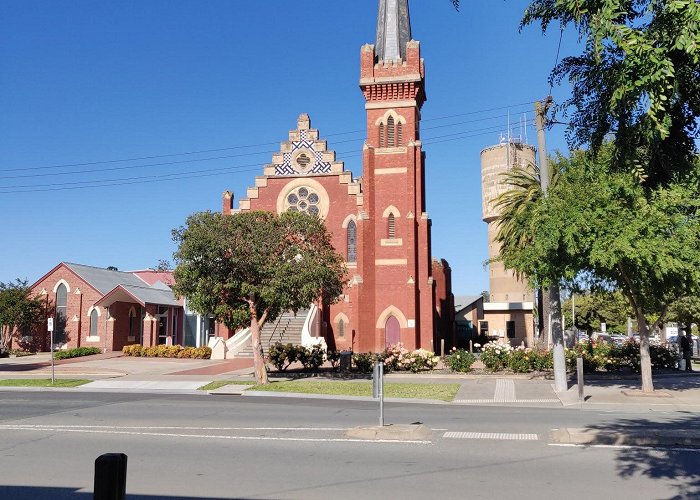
558	354
644	357
258	355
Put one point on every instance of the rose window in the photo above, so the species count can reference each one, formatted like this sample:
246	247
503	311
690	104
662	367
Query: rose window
304	200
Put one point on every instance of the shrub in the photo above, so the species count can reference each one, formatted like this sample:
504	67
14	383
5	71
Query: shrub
541	360
396	357
282	355
77	352
422	360
333	358
364	361
167	351
495	356
460	360
312	358
519	360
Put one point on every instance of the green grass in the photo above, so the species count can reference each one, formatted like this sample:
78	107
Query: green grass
221	383
18	382
442	392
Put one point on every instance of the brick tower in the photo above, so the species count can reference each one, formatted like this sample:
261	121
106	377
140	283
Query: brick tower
398	301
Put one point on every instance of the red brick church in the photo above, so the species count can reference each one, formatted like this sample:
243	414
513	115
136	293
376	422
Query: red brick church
379	222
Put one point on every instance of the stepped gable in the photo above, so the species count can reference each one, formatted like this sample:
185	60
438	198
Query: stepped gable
303	155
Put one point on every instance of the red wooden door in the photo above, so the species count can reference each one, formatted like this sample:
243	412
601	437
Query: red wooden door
392	331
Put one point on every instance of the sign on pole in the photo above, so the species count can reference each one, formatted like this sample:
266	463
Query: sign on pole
50	324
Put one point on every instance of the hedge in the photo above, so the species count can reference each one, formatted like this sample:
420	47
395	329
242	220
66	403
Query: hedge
167	351
77	352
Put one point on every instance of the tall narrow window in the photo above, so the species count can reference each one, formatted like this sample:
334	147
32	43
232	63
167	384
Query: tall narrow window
352	241
93	323
381	135
399	134
392	227
132	319
61	312
390	132
341	328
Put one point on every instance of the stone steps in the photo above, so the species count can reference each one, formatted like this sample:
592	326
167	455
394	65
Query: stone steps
286	329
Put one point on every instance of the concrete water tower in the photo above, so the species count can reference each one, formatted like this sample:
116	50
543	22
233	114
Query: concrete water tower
496	160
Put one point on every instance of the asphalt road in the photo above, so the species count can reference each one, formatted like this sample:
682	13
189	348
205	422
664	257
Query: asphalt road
268	448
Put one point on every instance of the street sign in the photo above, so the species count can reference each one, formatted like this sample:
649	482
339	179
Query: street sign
50	324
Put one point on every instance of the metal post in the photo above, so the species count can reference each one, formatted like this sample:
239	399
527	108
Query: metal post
579	376
442	348
378	388
381	394
110	477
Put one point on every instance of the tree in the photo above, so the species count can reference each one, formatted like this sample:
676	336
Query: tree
248	268
638	79
616	233
163	266
685	310
596	307
19	309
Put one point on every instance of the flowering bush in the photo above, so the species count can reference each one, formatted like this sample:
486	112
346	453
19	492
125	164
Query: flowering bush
495	356
423	359
396	357
460	360
312	358
541	360
363	361
519	360
282	355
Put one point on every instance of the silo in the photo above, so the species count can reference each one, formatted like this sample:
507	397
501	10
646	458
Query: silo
495	161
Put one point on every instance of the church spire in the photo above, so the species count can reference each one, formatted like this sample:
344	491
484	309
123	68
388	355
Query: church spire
393	30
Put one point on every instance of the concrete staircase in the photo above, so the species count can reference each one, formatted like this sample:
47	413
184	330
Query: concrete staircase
286	329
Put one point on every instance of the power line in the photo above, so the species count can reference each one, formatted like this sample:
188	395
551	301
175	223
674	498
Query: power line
166	177
216	150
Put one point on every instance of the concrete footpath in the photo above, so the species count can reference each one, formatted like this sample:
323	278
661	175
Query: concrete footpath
113	372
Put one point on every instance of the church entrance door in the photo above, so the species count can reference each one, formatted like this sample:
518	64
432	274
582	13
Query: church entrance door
392	331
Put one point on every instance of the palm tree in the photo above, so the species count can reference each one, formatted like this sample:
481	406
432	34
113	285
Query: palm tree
516	229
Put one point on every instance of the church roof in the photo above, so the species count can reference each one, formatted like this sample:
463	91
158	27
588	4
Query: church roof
393	30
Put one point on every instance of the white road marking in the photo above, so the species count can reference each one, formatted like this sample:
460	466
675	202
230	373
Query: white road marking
185	428
505	391
491	435
492	401
206	436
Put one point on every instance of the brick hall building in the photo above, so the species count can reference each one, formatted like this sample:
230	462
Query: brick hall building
379	222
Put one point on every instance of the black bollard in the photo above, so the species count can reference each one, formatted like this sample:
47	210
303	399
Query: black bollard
110	477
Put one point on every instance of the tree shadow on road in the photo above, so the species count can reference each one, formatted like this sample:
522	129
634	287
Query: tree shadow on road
680	467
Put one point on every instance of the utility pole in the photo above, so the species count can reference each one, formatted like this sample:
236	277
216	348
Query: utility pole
551	296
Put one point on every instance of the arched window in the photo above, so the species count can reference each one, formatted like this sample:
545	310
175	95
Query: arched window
61	312
390	132
399	134
341	328
381	135
391	233
352	241
94	318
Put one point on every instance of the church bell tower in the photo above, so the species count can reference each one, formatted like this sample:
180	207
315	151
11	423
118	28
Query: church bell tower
398	301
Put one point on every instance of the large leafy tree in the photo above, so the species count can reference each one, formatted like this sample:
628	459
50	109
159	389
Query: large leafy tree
247	268
19	309
638	78
618	234
685	311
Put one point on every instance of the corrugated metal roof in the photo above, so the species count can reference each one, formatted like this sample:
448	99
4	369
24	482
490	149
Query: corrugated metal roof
149	295
103	280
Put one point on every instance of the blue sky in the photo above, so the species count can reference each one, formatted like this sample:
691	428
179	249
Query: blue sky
87	84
